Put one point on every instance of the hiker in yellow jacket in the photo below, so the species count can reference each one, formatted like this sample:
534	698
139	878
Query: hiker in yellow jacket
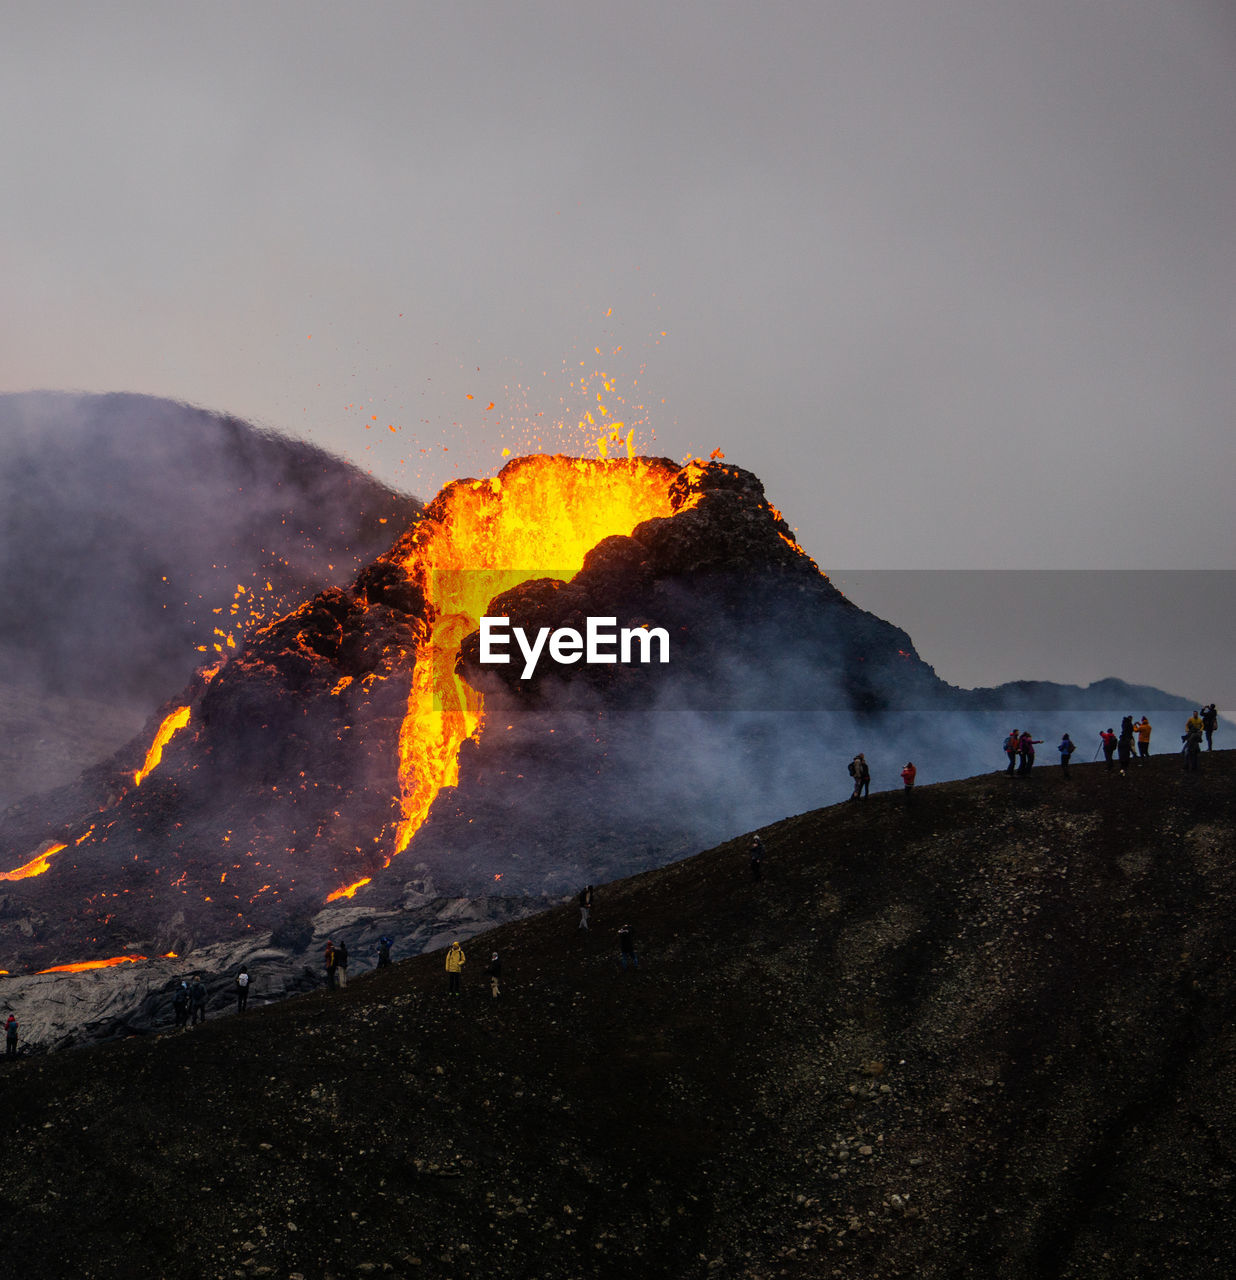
1143	737
455	961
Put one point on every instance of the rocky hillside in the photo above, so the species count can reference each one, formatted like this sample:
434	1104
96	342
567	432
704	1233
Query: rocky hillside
986	1032
130	529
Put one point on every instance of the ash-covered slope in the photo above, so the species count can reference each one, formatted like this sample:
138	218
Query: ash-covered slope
989	1033
293	772
127	523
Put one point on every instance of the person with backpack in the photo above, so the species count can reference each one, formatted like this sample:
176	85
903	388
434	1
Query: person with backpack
1143	737
385	942
332	965
493	971
10	1037
242	988
861	774
908	774
1108	740
757	857
1010	750
341	964
1066	749
180	1004
1210	722
455	961
197	1001
1192	740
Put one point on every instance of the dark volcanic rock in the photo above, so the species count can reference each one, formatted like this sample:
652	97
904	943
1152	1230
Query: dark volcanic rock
988	1033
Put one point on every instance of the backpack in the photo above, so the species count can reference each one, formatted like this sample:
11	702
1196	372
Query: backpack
852	768
1010	743
242	980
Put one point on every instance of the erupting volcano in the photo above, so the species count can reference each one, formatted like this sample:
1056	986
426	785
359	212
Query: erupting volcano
363	725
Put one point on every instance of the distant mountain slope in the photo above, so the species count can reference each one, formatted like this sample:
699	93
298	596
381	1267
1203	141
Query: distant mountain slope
987	1033
127	525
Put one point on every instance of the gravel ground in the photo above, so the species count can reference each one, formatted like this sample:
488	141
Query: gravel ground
984	1033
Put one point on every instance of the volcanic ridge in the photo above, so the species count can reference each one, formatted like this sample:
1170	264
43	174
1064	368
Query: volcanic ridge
983	1030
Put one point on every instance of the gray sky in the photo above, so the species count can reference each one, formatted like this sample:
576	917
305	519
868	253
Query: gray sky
957	280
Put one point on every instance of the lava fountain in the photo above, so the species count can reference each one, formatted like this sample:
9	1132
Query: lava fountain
538	518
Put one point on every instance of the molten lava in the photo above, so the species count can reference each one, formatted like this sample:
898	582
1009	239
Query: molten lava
348	890
172	724
92	964
35	867
537	519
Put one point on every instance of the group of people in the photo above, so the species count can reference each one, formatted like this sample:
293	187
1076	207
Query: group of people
336	960
1117	748
189	1002
860	771
455	961
1019	748
189	998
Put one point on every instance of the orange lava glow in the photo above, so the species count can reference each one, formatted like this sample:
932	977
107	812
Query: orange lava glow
348	890
539	518
92	964
35	867
171	725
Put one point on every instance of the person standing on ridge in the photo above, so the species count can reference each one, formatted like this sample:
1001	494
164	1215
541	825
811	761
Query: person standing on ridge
1192	743
384	950
242	988
861	774
331	965
180	1004
1010	750
1025	749
10	1037
1143	737
1066	749
908	774
585	907
341	964
626	948
197	1001
757	857
1210	722
455	961
1124	744
1108	740
493	971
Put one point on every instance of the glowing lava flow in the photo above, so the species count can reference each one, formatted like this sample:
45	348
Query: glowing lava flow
35	867
171	725
348	890
543	513
92	964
